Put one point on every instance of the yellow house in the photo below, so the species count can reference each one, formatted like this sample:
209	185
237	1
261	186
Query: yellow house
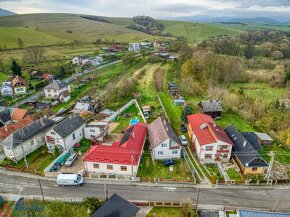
19	85
246	156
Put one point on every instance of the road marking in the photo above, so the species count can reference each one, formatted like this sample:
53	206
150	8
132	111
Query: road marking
170	189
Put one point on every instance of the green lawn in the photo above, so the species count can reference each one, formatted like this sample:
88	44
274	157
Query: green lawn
165	212
85	145
281	153
260	91
214	171
234	175
149	170
3	77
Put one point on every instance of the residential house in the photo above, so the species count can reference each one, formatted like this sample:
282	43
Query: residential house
97	131
55	88
19	85
26	140
97	60
64	96
209	141
158	44
116	48
116	206
246	156
164	142
11	115
80	60
36	74
65	134
211	107
134	47
6	89
260	213
121	158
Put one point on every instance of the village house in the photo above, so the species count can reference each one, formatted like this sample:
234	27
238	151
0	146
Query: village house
65	134
247	157
211	107
12	115
158	44
64	96
121	158
164	142
97	60
80	60
97	131
209	141
46	77
55	88
134	47
26	140
6	89
19	85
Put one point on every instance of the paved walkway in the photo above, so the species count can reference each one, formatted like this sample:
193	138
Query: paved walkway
144	211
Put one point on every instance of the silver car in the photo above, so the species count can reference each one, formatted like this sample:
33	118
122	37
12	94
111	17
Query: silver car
183	140
71	159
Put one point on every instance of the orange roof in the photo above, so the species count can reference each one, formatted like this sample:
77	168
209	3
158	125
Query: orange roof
18	114
17	80
10	128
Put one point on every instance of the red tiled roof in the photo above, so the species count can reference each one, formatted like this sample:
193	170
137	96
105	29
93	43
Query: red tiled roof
10	128
18	114
19	80
121	152
206	130
46	76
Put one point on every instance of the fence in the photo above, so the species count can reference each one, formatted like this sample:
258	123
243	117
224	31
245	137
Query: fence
47	172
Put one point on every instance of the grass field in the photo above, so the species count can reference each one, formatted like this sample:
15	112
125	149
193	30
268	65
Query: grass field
165	212
256	26
234	175
198	32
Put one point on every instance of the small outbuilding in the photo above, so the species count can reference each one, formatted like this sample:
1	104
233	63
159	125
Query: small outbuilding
212	108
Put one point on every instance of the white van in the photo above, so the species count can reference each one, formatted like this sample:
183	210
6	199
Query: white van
70	179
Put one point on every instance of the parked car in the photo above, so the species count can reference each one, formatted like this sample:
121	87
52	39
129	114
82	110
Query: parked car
70	179
183	128
183	140
146	115
71	159
168	163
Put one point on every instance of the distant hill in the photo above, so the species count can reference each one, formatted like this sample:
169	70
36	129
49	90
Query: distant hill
257	20
4	12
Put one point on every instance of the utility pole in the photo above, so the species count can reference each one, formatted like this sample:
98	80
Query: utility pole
41	190
26	164
197	200
272	154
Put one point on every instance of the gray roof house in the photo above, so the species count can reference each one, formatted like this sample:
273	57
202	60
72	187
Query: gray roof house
116	206
247	157
211	107
26	140
66	133
164	142
56	85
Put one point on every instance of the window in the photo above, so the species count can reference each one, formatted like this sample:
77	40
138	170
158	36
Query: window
207	156
96	166
225	155
174	151
254	168
163	145
223	147
123	168
92	130
74	136
208	148
32	142
109	167
160	153
52	133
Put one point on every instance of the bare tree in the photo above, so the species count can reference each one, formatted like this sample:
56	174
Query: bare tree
34	55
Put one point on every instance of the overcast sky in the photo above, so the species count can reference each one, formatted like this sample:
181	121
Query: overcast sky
155	8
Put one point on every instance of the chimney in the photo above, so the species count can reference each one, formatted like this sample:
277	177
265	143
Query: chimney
133	135
164	122
5	127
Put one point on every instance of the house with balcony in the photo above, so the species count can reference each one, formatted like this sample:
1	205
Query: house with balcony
122	158
19	85
26	140
6	89
65	134
245	154
209	141
55	89
164	142
97	131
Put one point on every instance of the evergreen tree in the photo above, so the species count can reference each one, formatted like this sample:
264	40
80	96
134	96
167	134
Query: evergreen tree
15	68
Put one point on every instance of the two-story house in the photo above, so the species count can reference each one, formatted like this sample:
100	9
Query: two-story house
24	141
134	47
55	88
164	142
6	89
121	158
19	85
97	131
209	141
65	134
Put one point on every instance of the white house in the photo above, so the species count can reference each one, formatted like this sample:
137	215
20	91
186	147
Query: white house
164	142
65	134
209	141
24	141
97	60
6	89
80	60
64	96
122	158
97	131
134	47
55	88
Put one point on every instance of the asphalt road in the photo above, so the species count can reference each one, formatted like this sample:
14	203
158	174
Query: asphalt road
251	198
